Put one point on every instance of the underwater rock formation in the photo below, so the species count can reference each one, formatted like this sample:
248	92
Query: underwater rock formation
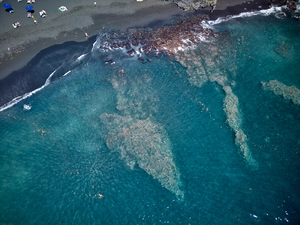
287	92
209	62
195	4
283	50
146	144
290	7
134	133
234	121
182	34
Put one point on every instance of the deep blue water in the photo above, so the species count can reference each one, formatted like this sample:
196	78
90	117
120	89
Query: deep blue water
134	143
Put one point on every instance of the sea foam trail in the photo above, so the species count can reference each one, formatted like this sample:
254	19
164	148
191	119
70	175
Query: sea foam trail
287	92
26	95
263	12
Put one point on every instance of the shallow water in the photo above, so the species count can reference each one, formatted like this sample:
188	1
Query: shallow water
133	143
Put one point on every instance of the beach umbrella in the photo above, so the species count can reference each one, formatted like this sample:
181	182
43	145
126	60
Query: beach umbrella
29	7
7	6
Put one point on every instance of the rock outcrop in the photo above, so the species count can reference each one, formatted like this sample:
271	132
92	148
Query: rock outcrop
183	34
195	4
290	7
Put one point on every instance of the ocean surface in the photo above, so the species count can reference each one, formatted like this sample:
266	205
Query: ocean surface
210	135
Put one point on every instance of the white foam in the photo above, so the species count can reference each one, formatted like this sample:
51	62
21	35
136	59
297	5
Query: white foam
202	38
263	12
22	97
81	57
67	73
97	44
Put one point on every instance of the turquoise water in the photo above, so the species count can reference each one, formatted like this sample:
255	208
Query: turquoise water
157	143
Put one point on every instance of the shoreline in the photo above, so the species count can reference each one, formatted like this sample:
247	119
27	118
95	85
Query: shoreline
23	51
24	45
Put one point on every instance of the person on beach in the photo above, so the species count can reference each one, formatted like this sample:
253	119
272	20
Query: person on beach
86	35
43	13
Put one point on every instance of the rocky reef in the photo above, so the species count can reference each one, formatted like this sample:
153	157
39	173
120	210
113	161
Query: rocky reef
195	4
212	62
207	56
291	93
184	33
133	132
290	7
143	143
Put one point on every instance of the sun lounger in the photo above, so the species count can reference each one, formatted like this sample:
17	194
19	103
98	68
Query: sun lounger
28	1
28	14
32	1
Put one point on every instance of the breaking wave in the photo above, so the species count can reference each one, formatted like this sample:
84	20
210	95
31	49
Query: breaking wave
277	11
22	97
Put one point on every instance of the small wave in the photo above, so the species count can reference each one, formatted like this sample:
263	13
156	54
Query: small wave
26	95
263	12
81	57
67	73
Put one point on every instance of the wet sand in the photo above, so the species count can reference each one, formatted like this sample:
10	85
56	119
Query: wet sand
19	46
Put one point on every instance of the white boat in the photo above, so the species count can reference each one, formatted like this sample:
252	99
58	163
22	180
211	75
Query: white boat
26	107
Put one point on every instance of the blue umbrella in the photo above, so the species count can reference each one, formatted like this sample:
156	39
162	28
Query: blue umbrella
29	7
7	6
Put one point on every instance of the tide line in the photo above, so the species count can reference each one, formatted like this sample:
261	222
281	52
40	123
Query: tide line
26	95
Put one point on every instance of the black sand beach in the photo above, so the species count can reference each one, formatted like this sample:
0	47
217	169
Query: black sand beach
19	46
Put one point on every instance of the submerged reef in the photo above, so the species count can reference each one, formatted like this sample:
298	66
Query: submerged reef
135	134
132	130
144	143
287	92
215	61
289	7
